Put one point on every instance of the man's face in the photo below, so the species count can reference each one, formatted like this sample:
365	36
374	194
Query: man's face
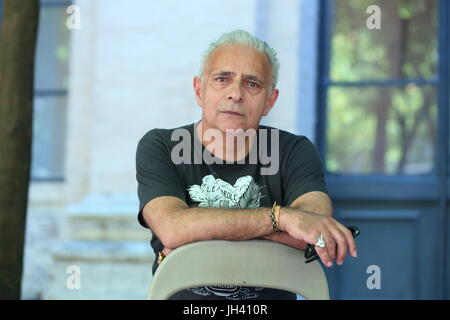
235	91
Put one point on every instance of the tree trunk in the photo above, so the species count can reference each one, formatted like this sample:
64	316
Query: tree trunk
17	51
395	43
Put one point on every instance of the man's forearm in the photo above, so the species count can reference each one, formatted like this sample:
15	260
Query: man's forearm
316	202
285	238
177	224
197	223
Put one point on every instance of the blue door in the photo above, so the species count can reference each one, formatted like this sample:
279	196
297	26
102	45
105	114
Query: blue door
383	133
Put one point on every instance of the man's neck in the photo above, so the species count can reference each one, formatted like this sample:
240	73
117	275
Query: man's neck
232	145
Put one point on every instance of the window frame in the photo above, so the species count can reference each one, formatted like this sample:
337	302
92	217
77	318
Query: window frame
432	188
324	83
52	92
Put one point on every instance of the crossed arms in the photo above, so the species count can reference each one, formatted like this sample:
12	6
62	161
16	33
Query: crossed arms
176	224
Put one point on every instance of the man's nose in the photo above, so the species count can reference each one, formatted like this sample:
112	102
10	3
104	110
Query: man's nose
235	92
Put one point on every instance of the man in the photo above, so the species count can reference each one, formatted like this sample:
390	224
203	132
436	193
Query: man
230	198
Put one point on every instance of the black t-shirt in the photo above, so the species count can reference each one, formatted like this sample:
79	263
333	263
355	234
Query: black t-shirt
236	185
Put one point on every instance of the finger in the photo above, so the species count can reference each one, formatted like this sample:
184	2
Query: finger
321	252
330	245
351	244
325	254
324	257
341	244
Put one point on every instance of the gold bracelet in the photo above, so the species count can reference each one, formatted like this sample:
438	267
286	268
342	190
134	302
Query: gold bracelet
275	216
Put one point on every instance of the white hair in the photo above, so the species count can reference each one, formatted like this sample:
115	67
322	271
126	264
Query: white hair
245	38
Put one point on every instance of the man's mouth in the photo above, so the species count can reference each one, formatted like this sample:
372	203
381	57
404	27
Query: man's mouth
234	113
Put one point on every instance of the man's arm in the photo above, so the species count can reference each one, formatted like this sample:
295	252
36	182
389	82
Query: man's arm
314	201
308	216
315	219
228	224
176	224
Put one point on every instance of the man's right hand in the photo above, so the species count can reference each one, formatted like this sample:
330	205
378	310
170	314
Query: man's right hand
307	226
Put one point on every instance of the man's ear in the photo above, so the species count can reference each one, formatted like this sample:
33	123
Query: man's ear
198	90
271	101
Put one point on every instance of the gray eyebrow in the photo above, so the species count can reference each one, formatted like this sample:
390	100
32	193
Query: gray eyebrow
229	73
224	73
251	77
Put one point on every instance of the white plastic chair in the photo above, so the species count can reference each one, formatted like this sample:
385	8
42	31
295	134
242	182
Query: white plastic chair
251	263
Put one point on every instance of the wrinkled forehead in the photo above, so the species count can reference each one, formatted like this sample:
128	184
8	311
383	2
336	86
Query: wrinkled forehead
238	59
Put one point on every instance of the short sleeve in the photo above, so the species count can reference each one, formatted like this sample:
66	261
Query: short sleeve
302	170
156	174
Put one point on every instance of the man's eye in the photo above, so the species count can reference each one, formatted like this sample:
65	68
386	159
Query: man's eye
253	84
221	79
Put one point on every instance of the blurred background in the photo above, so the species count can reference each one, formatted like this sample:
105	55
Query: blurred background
370	87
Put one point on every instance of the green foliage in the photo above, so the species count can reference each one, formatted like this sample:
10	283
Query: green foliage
404	47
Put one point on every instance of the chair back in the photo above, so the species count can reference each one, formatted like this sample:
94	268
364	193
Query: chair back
250	263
